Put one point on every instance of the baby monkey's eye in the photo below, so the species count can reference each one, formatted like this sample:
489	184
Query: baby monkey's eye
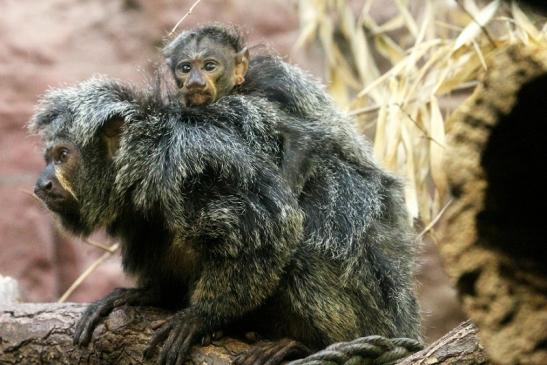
210	66
184	67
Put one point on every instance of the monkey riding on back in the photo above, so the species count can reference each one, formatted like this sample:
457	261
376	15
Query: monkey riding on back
212	61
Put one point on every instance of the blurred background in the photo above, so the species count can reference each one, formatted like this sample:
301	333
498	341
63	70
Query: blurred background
399	67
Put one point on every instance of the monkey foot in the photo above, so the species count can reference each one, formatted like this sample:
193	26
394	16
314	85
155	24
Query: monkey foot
178	334
273	353
96	311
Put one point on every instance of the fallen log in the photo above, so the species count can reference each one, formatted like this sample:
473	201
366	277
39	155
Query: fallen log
42	334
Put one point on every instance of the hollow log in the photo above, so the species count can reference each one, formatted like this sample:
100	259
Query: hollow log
492	238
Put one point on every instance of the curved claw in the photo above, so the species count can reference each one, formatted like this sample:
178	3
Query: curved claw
95	312
179	334
89	320
158	338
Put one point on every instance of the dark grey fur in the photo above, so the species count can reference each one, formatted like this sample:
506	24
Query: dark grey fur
207	223
320	122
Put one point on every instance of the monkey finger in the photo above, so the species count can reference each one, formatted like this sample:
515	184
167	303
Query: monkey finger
89	321
157	324
82	323
168	352
240	359
179	351
252	356
273	353
158	337
182	346
96	311
285	350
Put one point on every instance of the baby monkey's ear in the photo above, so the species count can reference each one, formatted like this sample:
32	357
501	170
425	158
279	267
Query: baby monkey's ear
242	65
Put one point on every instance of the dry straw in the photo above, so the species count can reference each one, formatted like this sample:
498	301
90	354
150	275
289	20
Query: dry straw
403	75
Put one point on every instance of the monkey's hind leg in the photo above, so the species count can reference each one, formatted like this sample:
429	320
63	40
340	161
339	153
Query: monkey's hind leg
273	353
102	307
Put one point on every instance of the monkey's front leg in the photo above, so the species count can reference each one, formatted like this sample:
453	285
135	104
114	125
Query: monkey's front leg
101	308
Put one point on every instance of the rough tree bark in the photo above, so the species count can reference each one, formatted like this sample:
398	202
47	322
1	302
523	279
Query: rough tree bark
459	347
42	334
492	238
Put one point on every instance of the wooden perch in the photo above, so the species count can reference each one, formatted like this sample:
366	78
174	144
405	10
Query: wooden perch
459	347
42	333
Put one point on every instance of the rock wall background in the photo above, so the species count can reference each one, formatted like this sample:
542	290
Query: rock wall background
59	42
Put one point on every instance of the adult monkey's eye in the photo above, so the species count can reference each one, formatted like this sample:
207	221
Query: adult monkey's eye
61	156
184	67
210	66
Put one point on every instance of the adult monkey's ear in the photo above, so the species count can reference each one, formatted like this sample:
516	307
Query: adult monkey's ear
111	132
169	62
241	66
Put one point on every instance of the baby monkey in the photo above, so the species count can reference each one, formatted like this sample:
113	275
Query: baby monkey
207	63
212	61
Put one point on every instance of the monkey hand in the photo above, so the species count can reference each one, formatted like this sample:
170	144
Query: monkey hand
101	308
183	330
272	353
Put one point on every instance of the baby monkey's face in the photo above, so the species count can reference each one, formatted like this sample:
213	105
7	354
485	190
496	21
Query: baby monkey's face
207	70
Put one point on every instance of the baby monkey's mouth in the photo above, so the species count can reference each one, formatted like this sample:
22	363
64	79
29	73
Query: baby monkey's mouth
197	98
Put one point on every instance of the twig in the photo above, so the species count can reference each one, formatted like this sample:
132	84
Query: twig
99	245
184	17
366	110
87	272
425	133
434	221
375	108
483	28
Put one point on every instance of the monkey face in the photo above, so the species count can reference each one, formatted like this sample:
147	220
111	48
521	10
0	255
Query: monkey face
55	184
200	78
207	70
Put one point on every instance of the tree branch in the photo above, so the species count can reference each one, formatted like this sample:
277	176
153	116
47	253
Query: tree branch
42	333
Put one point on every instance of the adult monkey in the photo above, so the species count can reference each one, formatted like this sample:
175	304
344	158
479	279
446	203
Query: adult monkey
208	226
